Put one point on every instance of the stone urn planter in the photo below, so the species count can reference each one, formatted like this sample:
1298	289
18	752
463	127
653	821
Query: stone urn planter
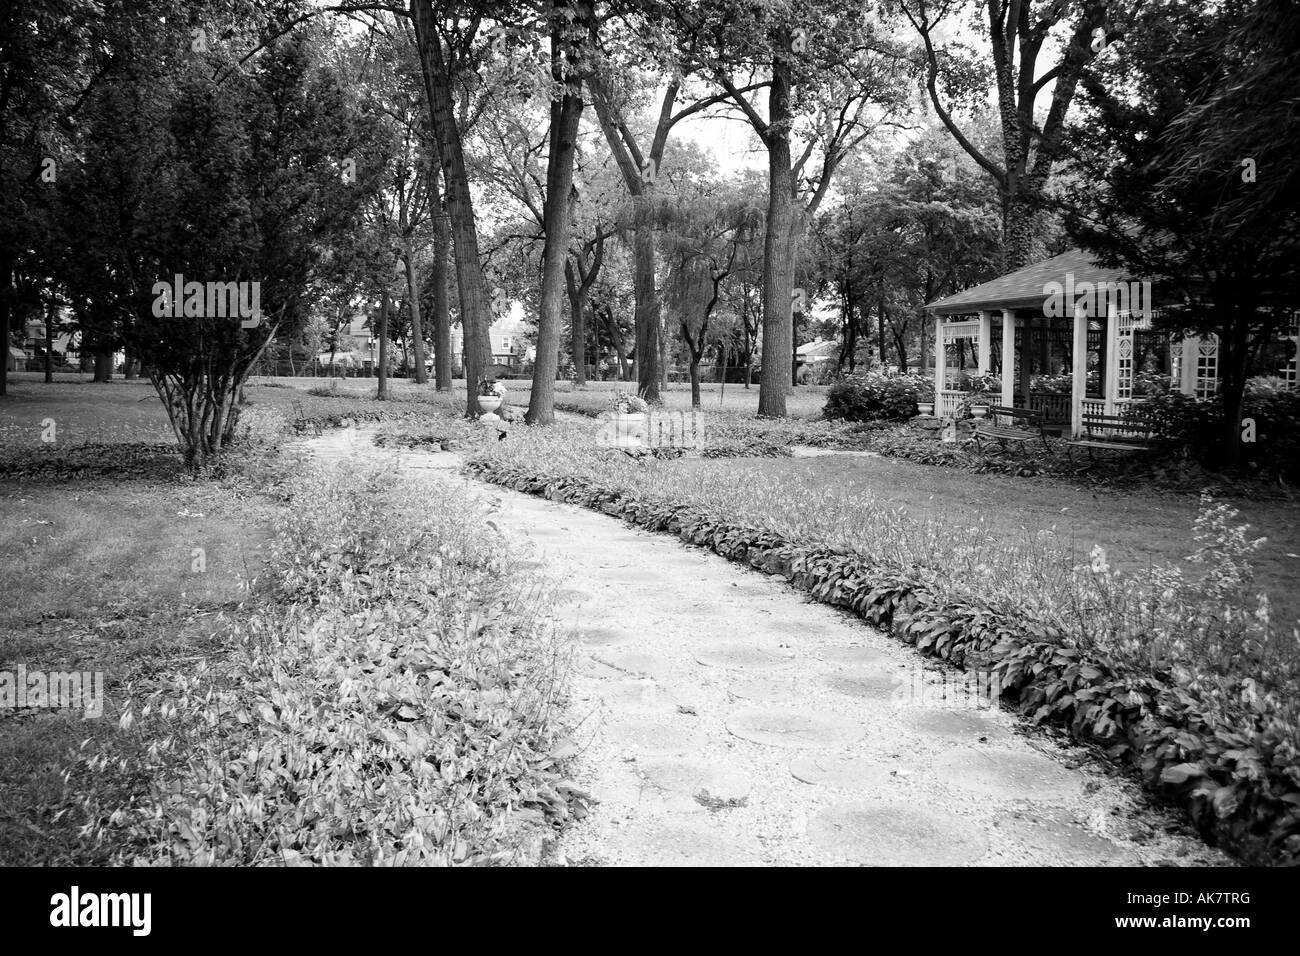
489	404
629	429
979	411
926	408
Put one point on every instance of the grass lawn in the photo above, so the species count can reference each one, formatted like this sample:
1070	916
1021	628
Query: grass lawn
82	412
805	401
1136	529
104	576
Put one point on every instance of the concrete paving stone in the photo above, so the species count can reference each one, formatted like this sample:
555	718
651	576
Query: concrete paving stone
1006	774
1064	843
773	688
699	843
958	724
744	656
674	735
776	727
693	777
893	833
869	686
632	662
875	774
600	636
850	654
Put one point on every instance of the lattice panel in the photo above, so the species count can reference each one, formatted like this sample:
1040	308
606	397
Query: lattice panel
1290	372
1207	367
1124	366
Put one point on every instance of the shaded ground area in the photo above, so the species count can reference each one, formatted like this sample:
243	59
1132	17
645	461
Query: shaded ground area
124	577
1136	529
723	720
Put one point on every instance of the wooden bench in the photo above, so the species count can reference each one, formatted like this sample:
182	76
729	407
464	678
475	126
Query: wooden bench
1112	433
1006	424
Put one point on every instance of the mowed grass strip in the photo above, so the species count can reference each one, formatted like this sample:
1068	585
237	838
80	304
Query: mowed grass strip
1136	529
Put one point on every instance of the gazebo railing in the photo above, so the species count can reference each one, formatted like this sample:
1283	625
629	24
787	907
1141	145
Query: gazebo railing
1052	406
949	402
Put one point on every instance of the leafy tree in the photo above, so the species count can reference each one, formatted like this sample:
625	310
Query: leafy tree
706	233
1185	153
1016	33
831	79
234	180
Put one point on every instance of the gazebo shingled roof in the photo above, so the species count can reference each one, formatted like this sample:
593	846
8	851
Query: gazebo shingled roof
1024	288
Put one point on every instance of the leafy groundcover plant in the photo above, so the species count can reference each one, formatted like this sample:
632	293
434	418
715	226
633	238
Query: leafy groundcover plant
1188	682
398	705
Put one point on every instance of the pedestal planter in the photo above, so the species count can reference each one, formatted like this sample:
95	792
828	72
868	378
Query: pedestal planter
629	429
489	404
926	408
979	411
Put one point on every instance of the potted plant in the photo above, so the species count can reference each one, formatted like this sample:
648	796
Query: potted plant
491	394
628	412
981	389
924	394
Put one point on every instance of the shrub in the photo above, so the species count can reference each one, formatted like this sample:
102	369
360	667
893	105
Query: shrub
873	396
1195	427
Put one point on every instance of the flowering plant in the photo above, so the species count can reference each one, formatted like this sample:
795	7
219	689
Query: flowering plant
625	403
490	386
982	387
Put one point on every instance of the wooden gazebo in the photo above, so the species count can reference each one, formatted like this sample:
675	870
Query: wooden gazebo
1064	316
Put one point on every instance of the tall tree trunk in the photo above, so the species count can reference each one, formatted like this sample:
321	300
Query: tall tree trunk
470	279
1234	359
647	302
417	328
663	356
51	312
383	346
104	364
577	325
640	181
778	314
557	220
441	315
616	337
880	331
6	313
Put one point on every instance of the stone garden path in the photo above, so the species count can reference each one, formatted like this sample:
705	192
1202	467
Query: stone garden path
723	720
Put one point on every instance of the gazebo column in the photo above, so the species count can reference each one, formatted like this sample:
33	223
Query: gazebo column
1110	386
940	368
985	344
1008	357
1079	354
1026	354
1191	347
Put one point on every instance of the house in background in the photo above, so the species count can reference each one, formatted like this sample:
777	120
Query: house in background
359	349
510	351
356	346
813	359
